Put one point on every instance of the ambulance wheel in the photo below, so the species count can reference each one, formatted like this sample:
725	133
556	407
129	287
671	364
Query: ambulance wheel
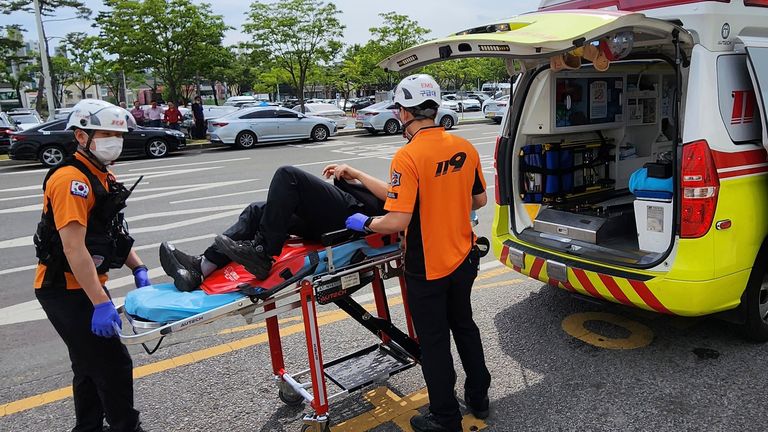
756	302
290	398
391	127
245	140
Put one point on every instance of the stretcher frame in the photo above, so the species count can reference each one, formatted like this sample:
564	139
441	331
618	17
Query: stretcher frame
302	295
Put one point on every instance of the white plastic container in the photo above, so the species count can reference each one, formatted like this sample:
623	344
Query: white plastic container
654	224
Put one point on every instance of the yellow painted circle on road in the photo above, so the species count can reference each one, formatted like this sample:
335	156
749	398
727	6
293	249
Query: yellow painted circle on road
639	335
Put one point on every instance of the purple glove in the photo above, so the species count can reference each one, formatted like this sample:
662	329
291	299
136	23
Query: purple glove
358	222
104	315
140	276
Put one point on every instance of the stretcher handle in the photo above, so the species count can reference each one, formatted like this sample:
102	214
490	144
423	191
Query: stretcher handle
119	333
336	237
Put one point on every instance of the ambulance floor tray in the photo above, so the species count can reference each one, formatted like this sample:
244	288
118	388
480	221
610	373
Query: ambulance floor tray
367	366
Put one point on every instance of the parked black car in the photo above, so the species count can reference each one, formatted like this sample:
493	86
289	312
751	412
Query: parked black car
50	143
7	127
363	102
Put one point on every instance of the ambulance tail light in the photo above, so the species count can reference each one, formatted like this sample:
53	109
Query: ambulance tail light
496	193
700	185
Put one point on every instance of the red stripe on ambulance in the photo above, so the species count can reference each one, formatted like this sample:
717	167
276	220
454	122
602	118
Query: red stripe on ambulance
642	290
586	283
614	289
538	263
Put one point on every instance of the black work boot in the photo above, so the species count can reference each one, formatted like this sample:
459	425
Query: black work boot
428	423
480	408
184	269
249	253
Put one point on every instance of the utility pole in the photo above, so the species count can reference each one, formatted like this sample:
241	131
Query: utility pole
44	61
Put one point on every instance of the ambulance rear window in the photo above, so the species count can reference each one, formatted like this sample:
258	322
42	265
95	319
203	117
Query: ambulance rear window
737	100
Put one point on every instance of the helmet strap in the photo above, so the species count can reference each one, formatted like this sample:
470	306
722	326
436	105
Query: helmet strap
87	150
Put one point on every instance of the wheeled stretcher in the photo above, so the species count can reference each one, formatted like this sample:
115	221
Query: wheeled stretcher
305	276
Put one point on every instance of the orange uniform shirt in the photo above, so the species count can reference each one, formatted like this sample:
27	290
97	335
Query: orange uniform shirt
434	177
71	197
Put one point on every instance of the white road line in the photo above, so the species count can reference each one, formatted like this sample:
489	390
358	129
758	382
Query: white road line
131	177
332	161
184	212
23	188
219	196
22	209
190	164
25	172
27	240
137	248
191	189
321	146
490	133
21	197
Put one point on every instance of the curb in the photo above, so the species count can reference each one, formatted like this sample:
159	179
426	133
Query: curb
341	133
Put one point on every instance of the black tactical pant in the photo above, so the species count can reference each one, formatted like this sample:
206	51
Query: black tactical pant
298	203
103	382
440	307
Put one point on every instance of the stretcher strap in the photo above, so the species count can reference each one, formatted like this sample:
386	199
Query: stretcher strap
262	293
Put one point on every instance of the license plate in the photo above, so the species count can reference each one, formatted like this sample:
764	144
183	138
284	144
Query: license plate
350	280
359	124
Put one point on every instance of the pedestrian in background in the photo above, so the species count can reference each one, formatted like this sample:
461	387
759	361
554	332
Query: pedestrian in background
154	114
197	112
138	113
123	105
172	117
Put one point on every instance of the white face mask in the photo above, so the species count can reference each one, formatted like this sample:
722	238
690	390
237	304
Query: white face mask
107	149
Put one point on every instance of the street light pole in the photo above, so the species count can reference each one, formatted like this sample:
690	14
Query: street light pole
44	61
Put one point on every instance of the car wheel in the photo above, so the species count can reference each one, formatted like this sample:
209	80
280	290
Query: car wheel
391	127
497	120
446	122
755	301
157	148
320	133
245	140
51	156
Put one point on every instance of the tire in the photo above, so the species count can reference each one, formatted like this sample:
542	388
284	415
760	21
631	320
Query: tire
391	127
446	122
291	399
156	148
756	302
246	140
51	155
497	120
320	133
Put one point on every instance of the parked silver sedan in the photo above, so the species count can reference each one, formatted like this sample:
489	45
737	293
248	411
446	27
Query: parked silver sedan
495	109
383	116
251	126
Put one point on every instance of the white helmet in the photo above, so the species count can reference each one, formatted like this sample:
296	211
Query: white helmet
93	114
416	89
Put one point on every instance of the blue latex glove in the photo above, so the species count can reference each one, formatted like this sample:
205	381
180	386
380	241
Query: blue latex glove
357	222
104	315
140	276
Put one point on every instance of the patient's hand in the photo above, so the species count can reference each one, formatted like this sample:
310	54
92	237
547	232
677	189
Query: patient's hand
341	171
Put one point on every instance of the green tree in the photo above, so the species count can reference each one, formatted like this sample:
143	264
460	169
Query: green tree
83	54
14	69
172	37
63	74
297	35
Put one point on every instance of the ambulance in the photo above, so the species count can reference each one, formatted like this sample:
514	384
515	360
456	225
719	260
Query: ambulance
631	165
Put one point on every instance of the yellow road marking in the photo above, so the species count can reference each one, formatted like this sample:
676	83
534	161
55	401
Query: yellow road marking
640	335
389	407
206	353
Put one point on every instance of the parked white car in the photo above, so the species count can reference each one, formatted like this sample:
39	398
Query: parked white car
458	103
495	109
383	117
249	127
325	110
25	118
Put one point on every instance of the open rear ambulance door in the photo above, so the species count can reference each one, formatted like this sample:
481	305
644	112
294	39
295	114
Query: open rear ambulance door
757	64
538	36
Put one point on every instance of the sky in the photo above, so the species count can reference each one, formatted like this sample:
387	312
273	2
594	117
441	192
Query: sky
443	17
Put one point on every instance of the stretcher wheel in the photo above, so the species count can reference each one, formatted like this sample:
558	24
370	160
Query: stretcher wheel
290	398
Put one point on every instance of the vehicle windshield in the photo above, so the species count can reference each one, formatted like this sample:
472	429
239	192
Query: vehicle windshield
3	122
380	105
27	118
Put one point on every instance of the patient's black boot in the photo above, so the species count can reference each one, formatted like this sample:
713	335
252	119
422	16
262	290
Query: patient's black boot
184	269
249	253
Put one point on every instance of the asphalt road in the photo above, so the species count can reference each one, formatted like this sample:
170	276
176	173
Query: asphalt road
553	357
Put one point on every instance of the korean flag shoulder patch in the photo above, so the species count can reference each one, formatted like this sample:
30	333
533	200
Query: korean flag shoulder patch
395	179
79	188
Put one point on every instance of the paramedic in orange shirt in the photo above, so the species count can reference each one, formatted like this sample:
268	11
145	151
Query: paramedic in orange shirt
436	180
79	238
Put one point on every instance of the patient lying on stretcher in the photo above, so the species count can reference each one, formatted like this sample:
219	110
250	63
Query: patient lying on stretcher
298	203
